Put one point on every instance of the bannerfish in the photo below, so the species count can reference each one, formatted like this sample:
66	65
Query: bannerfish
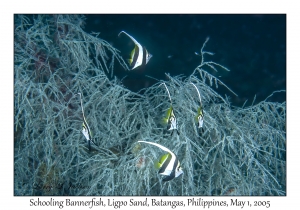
200	115
168	164
170	120
86	131
139	56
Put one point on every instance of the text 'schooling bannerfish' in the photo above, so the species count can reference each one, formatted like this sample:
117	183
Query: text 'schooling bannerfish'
168	164
139	56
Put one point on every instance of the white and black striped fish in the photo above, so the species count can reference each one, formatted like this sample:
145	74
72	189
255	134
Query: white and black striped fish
86	131
139	56
168	164
170	118
200	115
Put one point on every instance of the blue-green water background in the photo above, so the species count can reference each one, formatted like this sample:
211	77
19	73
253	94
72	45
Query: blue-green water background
253	47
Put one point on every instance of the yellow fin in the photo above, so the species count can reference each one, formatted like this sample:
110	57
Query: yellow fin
162	159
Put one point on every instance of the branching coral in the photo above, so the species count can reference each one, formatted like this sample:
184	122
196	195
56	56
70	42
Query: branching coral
240	151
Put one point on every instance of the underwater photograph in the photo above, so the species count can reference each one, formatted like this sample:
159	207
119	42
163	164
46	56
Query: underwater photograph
150	105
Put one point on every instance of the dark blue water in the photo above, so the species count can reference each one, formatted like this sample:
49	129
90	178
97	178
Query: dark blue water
253	47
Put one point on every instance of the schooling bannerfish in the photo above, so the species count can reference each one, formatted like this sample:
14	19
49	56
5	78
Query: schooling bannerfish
139	56
168	164
86	131
200	115
170	120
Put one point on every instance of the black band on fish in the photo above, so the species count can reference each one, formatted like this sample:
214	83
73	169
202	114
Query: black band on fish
165	164
144	56
172	175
